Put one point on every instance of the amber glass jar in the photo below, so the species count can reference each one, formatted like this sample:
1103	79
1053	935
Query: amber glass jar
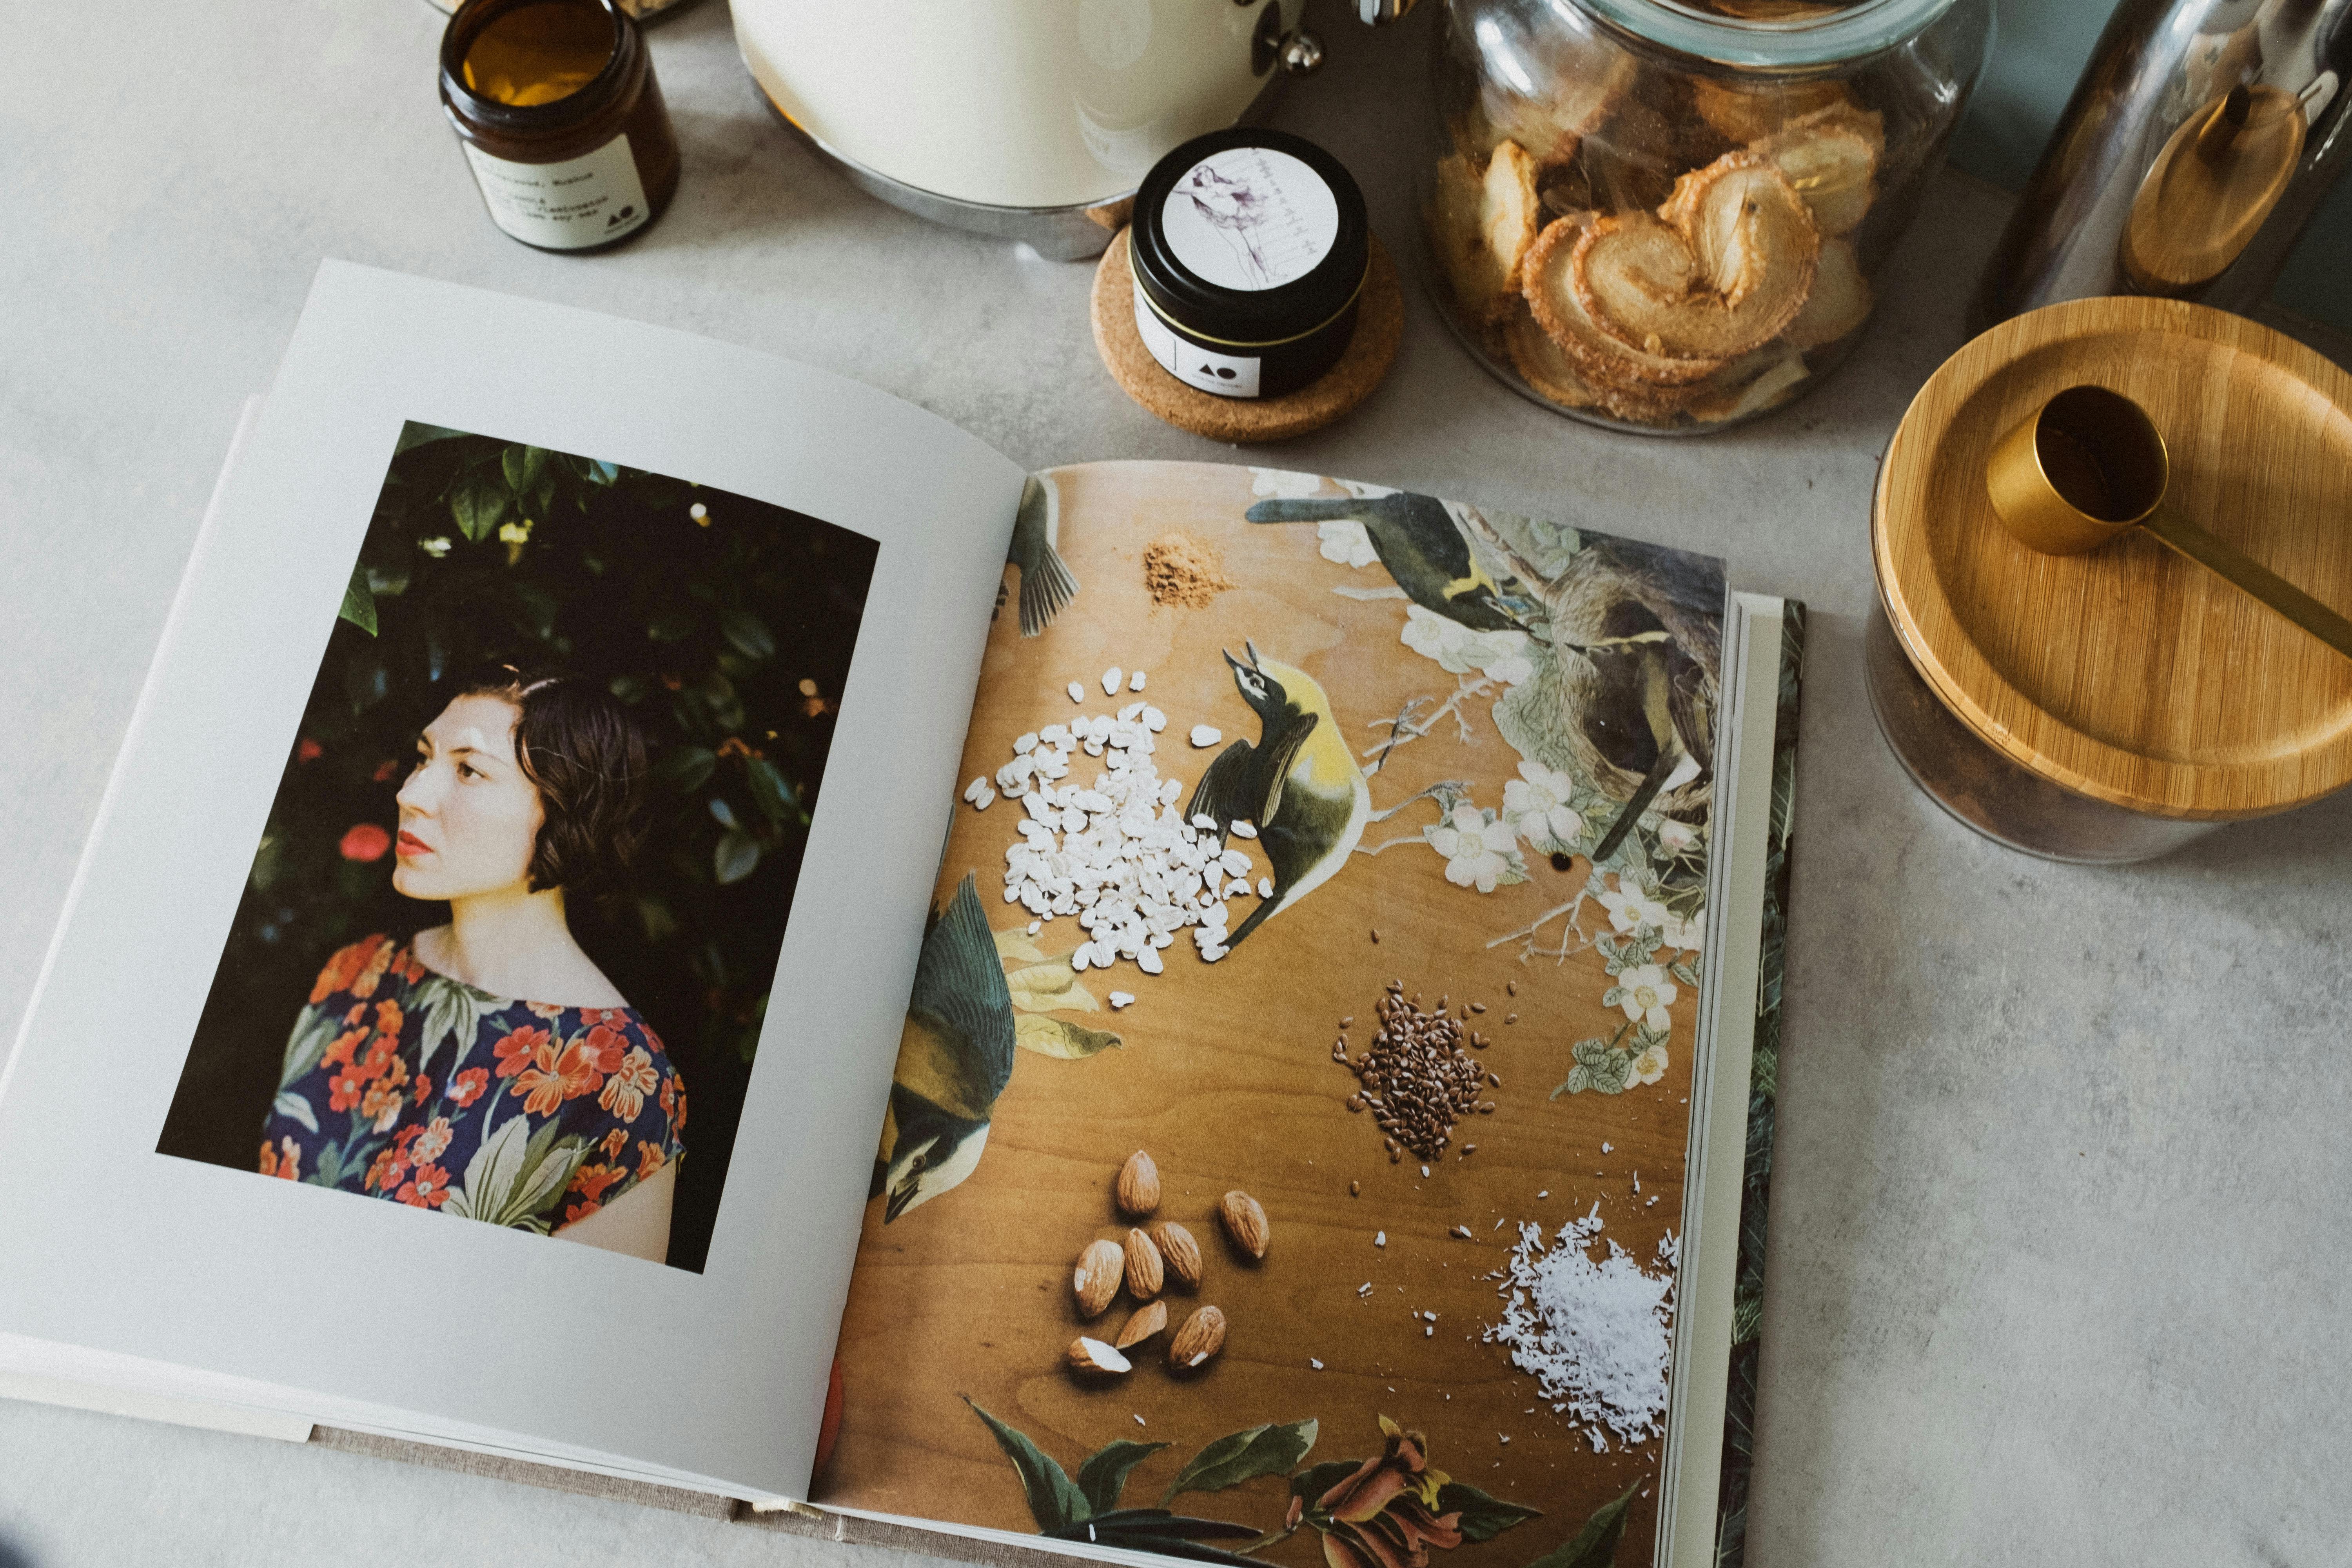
556	106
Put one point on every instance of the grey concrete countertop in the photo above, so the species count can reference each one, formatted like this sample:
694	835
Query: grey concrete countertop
2062	1223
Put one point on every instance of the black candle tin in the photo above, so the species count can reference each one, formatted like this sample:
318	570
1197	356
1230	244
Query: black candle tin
1249	249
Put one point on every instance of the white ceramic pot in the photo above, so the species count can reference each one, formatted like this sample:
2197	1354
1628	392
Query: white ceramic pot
1014	116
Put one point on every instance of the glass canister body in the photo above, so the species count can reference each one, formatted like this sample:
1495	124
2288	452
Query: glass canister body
1669	216
584	157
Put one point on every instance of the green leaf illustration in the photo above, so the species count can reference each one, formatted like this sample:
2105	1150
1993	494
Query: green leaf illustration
736	858
749	633
358	603
1269	1450
1053	1038
416	435
1159	1530
306	1045
770	793
685	768
1595	1546
1104	1475
290	1104
479	505
1050	987
1483	1517
522	466
1054	1500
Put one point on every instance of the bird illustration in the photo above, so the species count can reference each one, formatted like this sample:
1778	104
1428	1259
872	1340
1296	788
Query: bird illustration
1422	549
1298	786
954	1059
1045	582
1638	632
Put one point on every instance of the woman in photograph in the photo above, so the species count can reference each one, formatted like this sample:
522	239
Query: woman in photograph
487	1068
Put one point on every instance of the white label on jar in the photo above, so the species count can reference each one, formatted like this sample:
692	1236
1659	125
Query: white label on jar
1250	218
1224	374
564	206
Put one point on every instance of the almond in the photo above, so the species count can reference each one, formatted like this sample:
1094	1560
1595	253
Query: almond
1181	1252
1090	1355
1146	1321
1244	1222
1138	1191
1100	1266
1203	1336
1144	1275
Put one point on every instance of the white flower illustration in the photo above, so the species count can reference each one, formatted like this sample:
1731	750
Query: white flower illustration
1630	906
1283	484
1345	540
1689	935
1536	805
1676	838
1479	850
1502	656
1646	996
1649	1066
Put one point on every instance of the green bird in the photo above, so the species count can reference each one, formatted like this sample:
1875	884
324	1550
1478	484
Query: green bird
1045	582
1424	550
954	1059
1299	786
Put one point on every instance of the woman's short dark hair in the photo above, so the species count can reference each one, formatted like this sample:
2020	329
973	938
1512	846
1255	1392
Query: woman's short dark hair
580	746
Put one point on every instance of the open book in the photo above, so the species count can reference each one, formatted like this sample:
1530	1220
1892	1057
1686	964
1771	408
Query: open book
1226	1013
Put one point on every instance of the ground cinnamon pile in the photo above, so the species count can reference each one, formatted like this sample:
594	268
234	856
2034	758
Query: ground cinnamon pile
1184	570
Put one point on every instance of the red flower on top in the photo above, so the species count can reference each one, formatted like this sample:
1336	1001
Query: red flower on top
467	1086
591	1181
1385	1514
514	1052
552	1080
307	750
605	1048
365	842
430	1190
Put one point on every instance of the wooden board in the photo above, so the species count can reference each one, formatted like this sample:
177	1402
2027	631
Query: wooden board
2128	674
1226	1078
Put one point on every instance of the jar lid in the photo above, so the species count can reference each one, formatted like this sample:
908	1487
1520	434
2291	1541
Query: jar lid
1249	237
472	18
1824	34
2129	674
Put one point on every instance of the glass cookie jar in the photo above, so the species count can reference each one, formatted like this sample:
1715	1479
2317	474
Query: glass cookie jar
1670	215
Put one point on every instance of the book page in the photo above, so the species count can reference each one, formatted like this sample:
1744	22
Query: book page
528	822
1310	1003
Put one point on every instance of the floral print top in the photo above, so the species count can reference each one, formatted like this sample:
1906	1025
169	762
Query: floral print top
404	1084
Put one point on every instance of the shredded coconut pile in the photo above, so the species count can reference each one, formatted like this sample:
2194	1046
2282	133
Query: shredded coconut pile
1594	1335
1117	853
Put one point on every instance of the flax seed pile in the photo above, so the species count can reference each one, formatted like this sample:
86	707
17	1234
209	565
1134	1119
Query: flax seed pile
1417	1080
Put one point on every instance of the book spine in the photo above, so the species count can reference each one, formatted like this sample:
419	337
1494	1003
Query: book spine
1763	1085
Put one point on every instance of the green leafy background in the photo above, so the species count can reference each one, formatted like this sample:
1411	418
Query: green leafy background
729	634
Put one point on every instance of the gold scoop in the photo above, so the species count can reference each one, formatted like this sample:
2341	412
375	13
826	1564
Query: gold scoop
2088	466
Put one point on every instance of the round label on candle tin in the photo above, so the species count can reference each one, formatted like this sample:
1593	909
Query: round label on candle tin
1249	218
568	206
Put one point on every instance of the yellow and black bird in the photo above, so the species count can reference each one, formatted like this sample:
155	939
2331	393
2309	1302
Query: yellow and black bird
1045	582
1423	551
954	1059
1638	632
1298	786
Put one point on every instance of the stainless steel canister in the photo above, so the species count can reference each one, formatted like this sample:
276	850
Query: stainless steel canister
2199	140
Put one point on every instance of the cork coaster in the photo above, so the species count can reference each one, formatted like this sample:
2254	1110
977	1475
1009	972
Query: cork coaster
1380	326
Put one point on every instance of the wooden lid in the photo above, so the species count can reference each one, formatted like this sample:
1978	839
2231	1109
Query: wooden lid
2129	674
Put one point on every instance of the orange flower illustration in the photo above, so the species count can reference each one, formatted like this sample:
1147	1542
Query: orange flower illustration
614	1142
467	1086
552	1080
344	968
580	1211
430	1190
284	1161
388	1018
1385	1514
606	1047
514	1052
379	960
344	1088
432	1141
591	1181
423	1089
650	1159
387	1171
633	1079
339	1053
382	1102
